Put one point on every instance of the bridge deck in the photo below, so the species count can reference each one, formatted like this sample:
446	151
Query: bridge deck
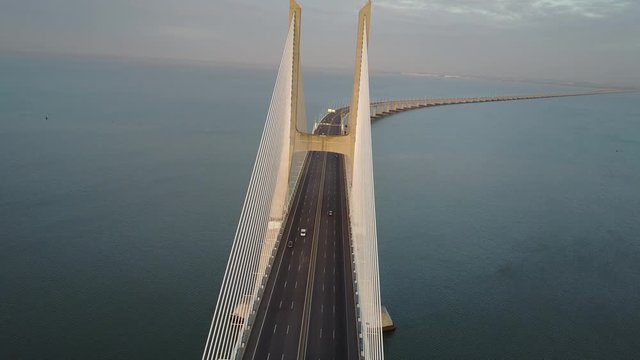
308	303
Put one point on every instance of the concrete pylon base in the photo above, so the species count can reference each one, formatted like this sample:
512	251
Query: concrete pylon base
387	323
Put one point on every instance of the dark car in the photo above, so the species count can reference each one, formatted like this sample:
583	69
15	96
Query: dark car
289	244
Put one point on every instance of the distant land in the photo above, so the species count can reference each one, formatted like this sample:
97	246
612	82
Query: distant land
523	80
256	65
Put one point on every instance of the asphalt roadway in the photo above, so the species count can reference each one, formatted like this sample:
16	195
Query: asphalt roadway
308	308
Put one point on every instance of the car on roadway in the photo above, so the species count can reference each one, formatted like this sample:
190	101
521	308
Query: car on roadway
330	212
303	232
289	244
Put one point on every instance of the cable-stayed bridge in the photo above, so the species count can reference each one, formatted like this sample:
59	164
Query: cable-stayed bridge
302	279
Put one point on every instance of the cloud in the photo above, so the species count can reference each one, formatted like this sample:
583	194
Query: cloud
584	8
508	10
594	40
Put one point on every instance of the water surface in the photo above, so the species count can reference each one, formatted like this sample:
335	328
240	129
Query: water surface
506	230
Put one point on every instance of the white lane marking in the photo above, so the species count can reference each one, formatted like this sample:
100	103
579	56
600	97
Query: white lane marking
296	285
280	306
320	333
334	309
282	357
324	269
292	305
271	295
285	283
322	308
268	356
322	287
289	267
288	326
274	328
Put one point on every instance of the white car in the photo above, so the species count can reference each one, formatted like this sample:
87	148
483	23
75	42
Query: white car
303	232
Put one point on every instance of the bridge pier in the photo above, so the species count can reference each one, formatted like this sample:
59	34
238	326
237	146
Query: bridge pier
387	322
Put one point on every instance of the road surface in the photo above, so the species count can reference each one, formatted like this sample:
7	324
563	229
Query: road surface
308	309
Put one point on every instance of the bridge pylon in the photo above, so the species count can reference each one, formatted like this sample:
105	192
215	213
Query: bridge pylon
284	144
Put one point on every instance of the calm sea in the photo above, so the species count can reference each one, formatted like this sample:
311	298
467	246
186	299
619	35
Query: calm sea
506	231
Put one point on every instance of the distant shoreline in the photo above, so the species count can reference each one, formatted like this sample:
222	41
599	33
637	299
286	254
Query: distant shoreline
262	66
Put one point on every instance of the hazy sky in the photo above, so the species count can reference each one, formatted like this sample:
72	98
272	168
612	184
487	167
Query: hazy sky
583	40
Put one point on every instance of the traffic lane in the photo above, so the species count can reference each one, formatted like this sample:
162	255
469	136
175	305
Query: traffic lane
312	264
351	331
326	125
322	323
333	340
287	322
330	118
346	342
290	325
266	342
298	203
292	339
341	319
336	316
275	343
291	329
254	339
